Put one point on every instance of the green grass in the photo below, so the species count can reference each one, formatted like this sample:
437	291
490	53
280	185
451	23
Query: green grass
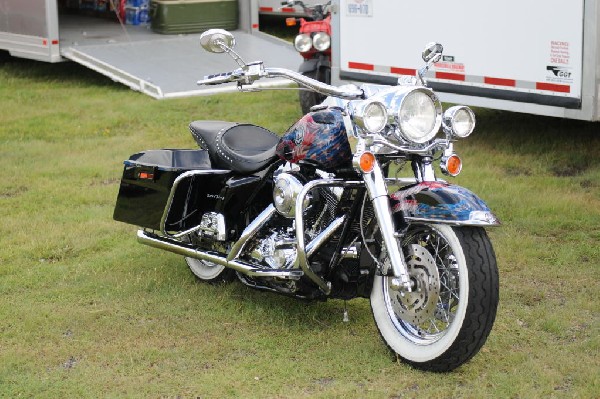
85	311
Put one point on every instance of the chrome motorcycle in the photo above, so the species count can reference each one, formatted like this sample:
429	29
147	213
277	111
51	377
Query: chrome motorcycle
308	216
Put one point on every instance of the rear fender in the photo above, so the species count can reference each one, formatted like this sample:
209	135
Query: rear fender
437	202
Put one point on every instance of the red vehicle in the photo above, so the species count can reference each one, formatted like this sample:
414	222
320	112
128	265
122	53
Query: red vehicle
314	45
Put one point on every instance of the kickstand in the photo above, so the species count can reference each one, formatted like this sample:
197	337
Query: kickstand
345	319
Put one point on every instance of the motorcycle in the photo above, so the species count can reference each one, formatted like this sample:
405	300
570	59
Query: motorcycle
313	42
308	216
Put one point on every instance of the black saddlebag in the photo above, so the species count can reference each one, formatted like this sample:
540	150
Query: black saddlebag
148	178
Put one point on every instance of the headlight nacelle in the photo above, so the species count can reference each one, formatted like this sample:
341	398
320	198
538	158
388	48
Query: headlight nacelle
418	115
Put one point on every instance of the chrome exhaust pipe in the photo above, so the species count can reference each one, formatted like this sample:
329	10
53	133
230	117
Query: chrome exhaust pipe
180	248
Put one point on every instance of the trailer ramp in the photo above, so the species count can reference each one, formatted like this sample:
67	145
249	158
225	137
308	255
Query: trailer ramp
165	66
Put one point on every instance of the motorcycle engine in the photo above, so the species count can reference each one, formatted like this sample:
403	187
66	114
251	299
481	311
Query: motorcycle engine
276	246
277	250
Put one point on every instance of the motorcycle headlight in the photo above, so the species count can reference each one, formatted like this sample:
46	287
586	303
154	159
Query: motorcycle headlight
459	121
373	117
303	43
419	116
321	41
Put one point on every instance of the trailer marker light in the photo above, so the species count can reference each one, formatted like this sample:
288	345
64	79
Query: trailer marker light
290	21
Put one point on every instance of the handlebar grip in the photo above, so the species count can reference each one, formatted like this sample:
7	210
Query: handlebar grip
216	79
224	74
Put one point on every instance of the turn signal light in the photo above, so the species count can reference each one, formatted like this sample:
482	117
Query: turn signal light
290	21
451	165
146	176
366	162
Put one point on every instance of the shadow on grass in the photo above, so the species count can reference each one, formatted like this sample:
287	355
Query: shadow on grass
274	308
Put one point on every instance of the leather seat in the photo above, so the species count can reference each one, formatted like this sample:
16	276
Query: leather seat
239	147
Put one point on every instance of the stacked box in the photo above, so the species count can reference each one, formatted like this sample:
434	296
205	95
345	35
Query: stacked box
100	8
101	5
87	5
136	12
191	16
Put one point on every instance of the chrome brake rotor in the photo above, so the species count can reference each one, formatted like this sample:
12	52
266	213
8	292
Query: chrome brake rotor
419	305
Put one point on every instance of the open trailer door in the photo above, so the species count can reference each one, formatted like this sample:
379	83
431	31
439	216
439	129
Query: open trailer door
164	66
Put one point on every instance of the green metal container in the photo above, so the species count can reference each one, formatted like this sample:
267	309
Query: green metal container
191	16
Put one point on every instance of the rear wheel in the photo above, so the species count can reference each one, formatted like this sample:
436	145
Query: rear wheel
209	272
450	313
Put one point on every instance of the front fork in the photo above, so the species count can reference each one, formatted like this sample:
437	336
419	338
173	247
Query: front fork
377	190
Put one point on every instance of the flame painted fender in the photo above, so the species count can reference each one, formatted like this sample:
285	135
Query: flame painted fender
440	202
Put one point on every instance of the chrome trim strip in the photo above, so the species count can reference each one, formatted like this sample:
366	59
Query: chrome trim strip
478	223
426	150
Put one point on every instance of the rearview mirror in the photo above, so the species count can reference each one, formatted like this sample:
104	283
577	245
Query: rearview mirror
217	41
432	53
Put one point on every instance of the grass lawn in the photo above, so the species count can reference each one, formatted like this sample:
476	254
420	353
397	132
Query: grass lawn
85	311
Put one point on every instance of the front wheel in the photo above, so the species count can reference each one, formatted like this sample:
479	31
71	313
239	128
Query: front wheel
448	316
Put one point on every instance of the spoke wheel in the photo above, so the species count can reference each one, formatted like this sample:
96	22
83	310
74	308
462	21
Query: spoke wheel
449	314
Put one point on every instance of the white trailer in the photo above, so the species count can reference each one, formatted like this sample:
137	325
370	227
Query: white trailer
162	66
517	55
26	29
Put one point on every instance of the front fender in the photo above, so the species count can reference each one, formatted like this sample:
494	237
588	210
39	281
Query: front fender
439	202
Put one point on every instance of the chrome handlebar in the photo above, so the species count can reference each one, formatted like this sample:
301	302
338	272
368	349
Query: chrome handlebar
315	85
256	70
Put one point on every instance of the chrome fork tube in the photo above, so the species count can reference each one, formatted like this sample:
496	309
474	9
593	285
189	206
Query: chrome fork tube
375	183
423	169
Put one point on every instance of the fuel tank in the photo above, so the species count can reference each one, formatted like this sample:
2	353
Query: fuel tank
318	138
